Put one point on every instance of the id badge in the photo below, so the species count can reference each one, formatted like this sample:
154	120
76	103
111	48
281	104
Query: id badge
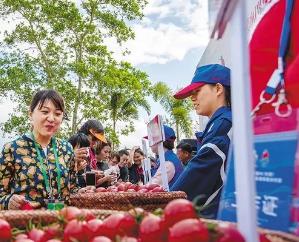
54	204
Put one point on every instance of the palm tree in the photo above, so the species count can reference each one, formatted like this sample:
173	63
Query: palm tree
123	108
177	109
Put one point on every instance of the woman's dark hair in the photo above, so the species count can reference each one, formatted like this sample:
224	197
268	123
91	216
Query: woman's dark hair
80	140
123	152
101	145
44	95
91	124
114	154
139	151
228	96
185	147
168	144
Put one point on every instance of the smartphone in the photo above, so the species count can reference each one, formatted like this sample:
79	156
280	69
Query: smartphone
90	178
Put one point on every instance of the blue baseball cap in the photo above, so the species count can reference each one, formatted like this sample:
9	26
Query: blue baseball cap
208	74
169	133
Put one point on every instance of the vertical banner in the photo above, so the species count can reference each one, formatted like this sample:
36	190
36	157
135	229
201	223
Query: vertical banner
264	23
274	176
156	137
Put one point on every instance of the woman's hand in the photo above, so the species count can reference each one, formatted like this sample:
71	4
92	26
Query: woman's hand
87	189
81	155
81	165
99	174
16	202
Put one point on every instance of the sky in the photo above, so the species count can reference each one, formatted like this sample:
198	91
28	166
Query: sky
168	44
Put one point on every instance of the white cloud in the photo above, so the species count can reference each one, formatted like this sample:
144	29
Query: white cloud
135	138
169	31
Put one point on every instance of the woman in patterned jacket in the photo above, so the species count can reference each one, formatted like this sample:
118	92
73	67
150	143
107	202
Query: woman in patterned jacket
37	166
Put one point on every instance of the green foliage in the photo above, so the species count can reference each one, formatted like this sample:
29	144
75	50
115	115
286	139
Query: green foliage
178	110
59	44
126	89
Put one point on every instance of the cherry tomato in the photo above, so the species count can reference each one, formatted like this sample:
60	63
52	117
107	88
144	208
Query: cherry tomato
263	238
51	232
36	235
74	231
87	214
178	210
229	233
131	190
152	229
119	224
21	236
128	239
92	228
121	187
143	190
127	184
151	186
189	230
101	239
70	213
5	230
158	189
25	240
101	189
26	206
133	186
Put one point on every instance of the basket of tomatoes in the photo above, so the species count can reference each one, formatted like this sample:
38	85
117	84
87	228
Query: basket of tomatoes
177	223
125	196
20	219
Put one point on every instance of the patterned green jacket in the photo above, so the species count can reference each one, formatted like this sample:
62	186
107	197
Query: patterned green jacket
20	171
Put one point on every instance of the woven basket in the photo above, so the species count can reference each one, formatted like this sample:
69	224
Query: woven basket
273	236
124	201
20	219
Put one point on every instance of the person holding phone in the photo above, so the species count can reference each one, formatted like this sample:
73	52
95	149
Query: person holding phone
102	153
37	166
94	130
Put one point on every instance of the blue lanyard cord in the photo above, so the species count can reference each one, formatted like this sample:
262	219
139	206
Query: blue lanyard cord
276	80
286	29
285	39
46	171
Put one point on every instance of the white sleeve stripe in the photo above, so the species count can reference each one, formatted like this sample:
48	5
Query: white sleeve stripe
230	133
222	172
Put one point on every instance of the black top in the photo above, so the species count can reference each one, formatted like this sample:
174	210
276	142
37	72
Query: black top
136	174
102	166
124	173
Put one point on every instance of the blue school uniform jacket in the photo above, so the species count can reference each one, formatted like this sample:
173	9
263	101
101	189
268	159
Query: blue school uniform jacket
205	173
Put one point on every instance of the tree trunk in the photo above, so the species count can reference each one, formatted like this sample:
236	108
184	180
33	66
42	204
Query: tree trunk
76	107
177	132
114	132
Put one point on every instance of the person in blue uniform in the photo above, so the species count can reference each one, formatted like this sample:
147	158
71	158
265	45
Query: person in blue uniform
173	165
204	175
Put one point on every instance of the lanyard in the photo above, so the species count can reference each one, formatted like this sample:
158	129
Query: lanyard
276	80
44	170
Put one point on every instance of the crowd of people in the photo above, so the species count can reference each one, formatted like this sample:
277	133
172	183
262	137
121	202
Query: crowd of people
38	168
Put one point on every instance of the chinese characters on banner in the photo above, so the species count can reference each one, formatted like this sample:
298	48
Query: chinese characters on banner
275	160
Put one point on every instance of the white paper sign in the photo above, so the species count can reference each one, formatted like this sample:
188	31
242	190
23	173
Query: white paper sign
156	137
146	165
